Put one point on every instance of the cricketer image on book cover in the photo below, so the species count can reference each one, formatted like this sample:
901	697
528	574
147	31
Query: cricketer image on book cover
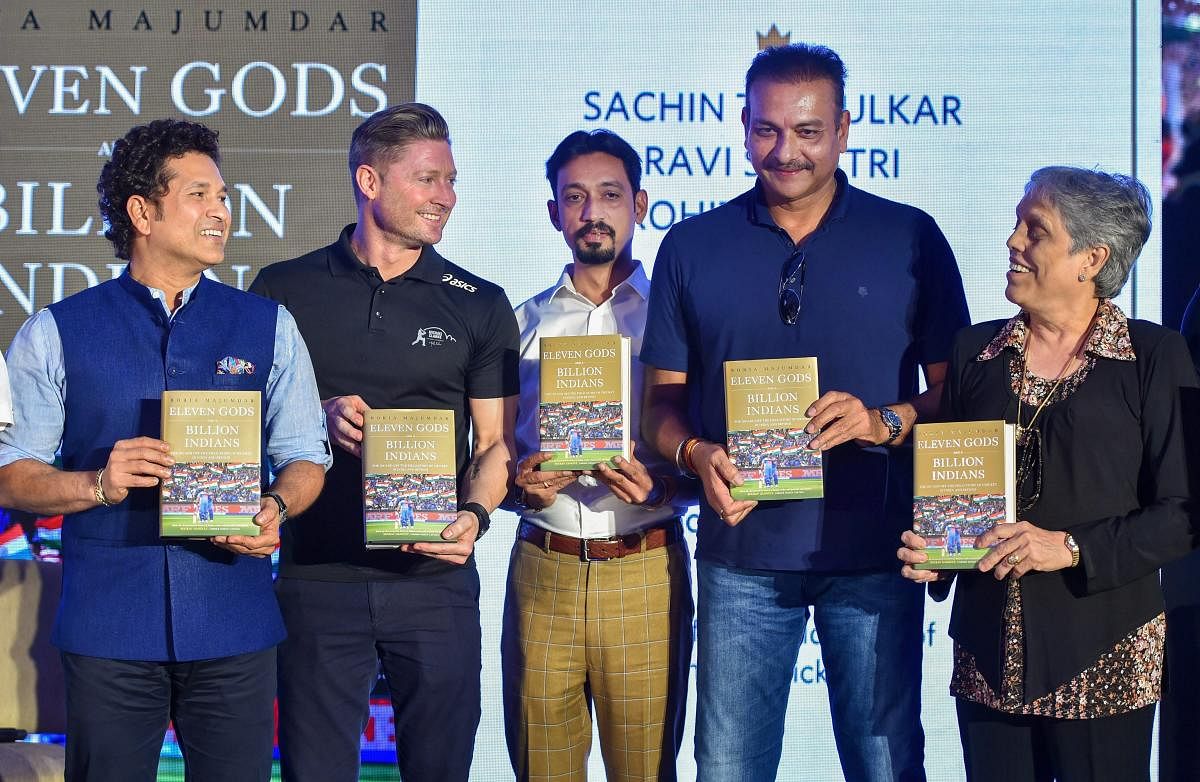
216	480
765	401
410	492
583	410
963	485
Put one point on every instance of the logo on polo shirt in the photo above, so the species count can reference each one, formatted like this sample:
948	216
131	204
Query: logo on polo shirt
450	279
432	337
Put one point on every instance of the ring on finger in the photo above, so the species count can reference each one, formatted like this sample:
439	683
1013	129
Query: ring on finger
545	484
1013	559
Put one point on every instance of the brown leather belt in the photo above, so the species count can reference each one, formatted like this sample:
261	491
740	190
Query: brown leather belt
600	549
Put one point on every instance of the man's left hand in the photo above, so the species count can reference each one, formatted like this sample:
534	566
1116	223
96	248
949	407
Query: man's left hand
841	417
265	542
460	540
629	481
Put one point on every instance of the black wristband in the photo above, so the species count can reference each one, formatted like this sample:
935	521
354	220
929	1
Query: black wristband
485	521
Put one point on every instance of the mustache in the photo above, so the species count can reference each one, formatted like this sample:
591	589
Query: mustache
792	165
597	225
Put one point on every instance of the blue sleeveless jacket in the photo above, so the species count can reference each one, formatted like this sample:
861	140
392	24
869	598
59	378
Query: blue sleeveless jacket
127	594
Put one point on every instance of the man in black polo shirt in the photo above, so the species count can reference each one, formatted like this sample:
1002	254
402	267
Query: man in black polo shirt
390	323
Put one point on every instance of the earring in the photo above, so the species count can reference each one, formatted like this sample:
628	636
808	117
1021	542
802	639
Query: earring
1082	277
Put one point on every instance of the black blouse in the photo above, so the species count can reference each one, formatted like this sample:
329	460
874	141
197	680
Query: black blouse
1116	459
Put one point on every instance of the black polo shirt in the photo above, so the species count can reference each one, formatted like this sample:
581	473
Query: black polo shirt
434	337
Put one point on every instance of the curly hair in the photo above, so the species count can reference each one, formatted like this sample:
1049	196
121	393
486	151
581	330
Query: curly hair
138	166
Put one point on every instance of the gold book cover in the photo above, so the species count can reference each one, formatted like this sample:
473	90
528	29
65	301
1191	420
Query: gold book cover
410	492
216	481
765	401
964	483
583	411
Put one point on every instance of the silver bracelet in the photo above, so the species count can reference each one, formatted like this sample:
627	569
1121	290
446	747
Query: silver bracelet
679	456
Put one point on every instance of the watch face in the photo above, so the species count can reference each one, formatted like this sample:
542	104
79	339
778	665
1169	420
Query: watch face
892	420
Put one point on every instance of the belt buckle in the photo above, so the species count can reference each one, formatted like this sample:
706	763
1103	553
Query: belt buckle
585	553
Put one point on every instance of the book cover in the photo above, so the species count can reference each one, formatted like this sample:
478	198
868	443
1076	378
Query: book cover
583	414
964	483
410	492
215	483
765	402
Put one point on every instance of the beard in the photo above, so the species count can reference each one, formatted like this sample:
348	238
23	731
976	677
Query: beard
593	252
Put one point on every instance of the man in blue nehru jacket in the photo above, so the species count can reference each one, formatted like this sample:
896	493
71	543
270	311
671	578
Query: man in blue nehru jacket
153	631
804	264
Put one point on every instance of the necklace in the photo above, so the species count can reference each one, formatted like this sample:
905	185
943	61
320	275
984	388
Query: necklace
1024	430
1029	440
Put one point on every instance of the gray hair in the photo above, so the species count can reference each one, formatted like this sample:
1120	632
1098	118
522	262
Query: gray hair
384	135
1097	209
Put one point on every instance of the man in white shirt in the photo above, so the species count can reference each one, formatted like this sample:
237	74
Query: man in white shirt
599	607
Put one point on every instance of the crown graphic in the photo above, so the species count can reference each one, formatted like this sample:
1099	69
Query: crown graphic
773	38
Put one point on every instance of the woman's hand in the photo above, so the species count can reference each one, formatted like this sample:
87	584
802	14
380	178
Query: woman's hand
913	553
1022	548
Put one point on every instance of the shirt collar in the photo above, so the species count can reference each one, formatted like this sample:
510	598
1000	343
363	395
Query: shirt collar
148	294
637	282
759	214
1109	337
430	266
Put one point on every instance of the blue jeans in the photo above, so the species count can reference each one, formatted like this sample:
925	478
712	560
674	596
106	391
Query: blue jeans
749	627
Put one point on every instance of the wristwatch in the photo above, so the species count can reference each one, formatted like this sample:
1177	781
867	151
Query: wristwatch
891	419
1073	547
485	521
278	501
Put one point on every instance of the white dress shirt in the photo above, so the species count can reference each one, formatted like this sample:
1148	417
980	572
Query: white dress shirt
586	508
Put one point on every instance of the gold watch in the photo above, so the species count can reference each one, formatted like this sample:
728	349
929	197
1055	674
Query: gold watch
1073	547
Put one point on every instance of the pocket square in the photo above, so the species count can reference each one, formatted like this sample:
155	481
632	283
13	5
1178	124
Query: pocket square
231	365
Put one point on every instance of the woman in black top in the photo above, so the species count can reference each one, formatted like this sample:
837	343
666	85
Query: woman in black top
1059	635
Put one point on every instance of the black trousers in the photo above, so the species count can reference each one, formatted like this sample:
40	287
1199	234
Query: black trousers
999	747
423	632
118	711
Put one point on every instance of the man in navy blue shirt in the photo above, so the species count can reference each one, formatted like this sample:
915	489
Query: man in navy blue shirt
804	265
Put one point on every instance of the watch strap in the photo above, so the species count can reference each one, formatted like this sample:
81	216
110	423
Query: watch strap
1073	547
283	512
481	513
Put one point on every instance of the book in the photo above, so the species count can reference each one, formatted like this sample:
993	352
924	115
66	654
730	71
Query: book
765	401
215	483
410	488
964	483
583	410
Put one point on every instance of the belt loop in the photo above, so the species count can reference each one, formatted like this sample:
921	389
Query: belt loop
642	540
546	541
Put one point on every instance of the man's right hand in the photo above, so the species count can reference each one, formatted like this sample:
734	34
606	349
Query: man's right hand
139	462
541	487
344	421
912	553
717	474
